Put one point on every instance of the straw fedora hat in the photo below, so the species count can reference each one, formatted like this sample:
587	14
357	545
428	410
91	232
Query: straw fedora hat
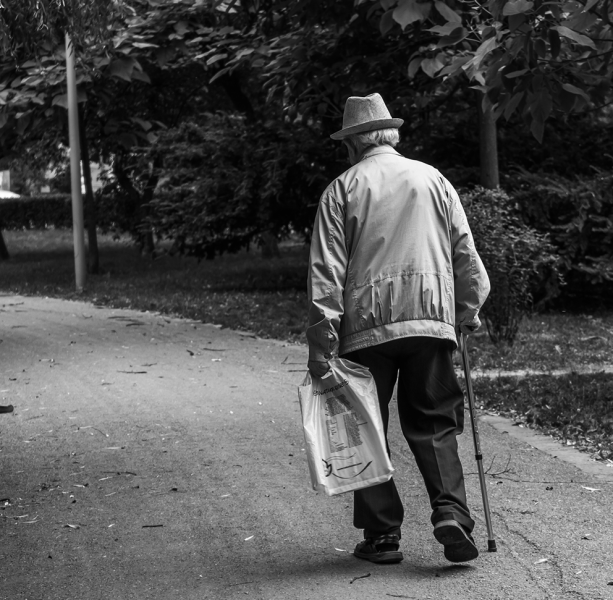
365	114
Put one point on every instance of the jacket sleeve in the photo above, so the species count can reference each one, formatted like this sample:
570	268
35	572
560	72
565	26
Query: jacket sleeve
471	283
326	281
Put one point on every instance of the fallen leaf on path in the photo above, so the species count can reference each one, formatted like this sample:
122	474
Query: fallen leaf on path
587	536
360	577
591	489
249	538
541	560
133	372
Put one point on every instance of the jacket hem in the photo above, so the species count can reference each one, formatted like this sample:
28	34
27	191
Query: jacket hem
392	331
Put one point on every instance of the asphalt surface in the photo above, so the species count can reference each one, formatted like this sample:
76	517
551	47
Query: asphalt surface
157	458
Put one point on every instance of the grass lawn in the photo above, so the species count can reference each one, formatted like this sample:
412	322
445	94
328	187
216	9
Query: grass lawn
576	408
268	297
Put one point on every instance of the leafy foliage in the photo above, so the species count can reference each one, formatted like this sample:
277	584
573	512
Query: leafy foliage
517	258
531	57
36	212
578	215
45	211
30	27
227	182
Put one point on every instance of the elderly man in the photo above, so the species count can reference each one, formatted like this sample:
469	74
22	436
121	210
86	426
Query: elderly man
393	275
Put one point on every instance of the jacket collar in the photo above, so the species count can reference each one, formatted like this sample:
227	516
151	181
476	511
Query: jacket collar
376	150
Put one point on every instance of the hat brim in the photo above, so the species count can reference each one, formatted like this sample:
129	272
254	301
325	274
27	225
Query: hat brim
368	126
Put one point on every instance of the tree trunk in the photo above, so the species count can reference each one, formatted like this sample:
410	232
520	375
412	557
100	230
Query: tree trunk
232	86
488	146
137	209
4	253
147	241
93	254
269	245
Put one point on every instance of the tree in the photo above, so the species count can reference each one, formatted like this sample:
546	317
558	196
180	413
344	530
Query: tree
535	58
29	27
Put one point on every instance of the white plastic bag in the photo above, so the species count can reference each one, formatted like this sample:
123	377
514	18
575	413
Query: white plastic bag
343	430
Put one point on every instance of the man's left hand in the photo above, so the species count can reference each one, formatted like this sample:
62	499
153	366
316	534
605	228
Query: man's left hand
319	367
470	326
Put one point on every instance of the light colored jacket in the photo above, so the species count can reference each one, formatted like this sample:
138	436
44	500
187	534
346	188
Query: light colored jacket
391	256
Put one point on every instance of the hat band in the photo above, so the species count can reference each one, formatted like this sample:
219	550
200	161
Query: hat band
367	126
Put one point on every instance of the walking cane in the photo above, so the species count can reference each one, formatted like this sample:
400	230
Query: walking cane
491	542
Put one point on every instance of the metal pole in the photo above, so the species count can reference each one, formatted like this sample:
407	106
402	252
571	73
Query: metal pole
491	542
75	169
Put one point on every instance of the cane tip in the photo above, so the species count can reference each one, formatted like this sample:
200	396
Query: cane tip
491	546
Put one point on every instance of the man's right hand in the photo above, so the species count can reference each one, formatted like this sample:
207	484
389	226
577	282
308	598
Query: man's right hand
319	368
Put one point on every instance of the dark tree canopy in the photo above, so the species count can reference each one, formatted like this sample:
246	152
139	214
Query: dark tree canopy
29	27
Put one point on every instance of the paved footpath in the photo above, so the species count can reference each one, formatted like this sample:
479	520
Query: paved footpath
156	458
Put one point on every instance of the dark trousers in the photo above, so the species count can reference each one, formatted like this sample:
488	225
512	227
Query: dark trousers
431	411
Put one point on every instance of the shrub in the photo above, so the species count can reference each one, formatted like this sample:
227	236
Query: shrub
36	212
519	261
226	183
48	210
578	214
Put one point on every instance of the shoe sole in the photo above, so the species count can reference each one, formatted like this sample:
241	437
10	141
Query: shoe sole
458	546
382	558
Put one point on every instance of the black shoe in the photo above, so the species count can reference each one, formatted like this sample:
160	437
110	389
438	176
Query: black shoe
382	549
459	545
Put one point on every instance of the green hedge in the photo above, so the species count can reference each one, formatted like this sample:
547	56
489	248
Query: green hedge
36	212
50	210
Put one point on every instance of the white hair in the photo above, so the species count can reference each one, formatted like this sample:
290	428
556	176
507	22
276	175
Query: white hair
377	137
